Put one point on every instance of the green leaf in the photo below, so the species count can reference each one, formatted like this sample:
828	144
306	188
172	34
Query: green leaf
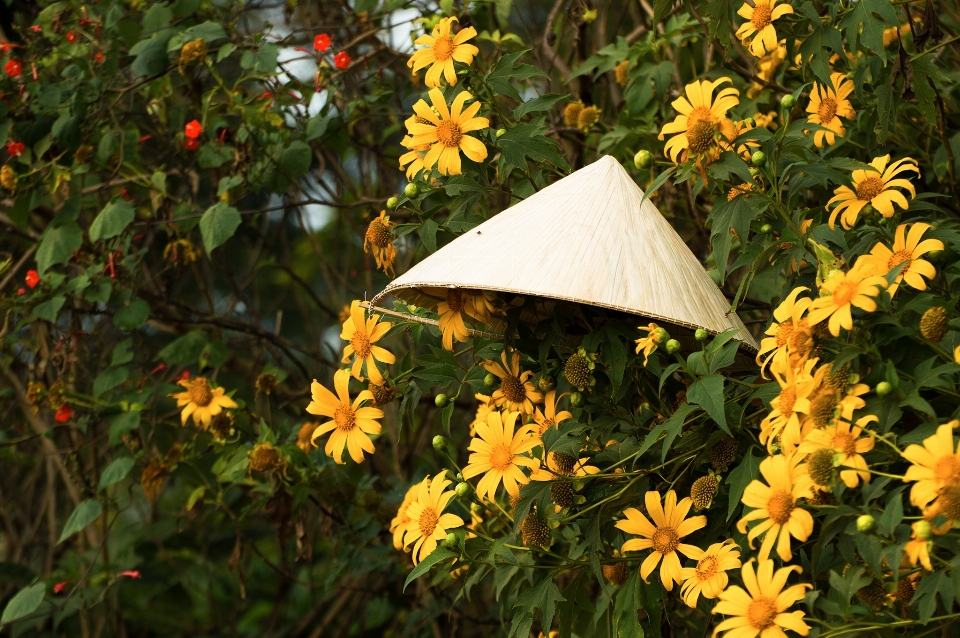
213	155
226	183
57	246
657	183
660	8
507	68
527	140
616	356
736	214
707	392
740	478
132	316
848	584
544	597
864	13
49	310
673	426
542	103
207	31
926	595
152	58
115	472
184	350
24	603
317	126
218	224
437	555
157	17
892	513
109	379
815	46
296	159
112	220
87	512
629	600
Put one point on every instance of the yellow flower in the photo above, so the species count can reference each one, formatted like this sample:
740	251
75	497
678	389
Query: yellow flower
766	121
446	132
413	157
350	423
956	355
875	188
787	319
361	336
936	464
400	522
917	549
701	120
775	505
550	417
766	68
460	301
663	535
378	240
563	465
441	51
796	386
893	34
497	454
846	289
648	345
758	33
761	609
905	251
828	105
516	391
484	407
845	441
428	524
746	148
201	401
709	577
304	436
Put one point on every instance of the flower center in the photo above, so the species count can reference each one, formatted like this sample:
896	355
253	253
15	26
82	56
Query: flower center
665	540
455	299
700	132
827	110
948	503
898	258
512	389
449	134
801	341
869	188
788	396
780	506
345	418
784	330
501	457
845	442
761	15
378	234
361	344
443	49
428	521
761	613
822	407
843	293
707	567
545	425
200	393
947	469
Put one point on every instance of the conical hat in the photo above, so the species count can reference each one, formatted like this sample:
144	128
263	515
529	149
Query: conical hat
587	239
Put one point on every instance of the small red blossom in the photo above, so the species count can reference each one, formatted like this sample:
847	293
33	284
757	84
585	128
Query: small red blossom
16	148
321	43
134	573
13	68
32	278
193	129
6	46
183	376
144	138
99	57
35	28
341	60
63	414
160	368
59	587
191	144
72	36
21	292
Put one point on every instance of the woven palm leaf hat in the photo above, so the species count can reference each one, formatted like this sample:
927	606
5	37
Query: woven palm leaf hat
618	252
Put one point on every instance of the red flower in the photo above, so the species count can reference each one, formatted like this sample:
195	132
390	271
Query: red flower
183	376
193	129
32	278
6	46
130	573
59	587
35	28
21	292
13	68
16	148
341	60
63	414
191	144
322	42
98	57
72	36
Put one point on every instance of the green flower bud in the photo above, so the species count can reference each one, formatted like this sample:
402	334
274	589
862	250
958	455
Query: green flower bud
462	490
701	334
754	171
673	346
766	228
441	400
546	383
751	121
450	540
392	203
662	335
923	530
439	442
501	132
866	523
490	380
411	190
787	101
883	389
643	160
758	159
577	400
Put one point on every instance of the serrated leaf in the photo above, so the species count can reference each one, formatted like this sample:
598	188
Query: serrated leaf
86	512
707	392
740	478
536	105
115	472
507	68
218	224
112	220
527	140
436	556
861	21
544	597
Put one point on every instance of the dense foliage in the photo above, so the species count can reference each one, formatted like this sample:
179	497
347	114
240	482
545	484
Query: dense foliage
204	431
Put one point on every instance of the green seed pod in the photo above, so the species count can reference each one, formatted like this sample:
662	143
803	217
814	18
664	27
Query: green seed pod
411	190
501	132
758	159
883	389
577	400
866	523
450	540
490	380
787	101
923	530
643	160
701	334
439	442
673	346
393	202
462	490
441	400
662	335
766	228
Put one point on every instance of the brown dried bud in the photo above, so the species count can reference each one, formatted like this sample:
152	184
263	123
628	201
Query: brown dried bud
266	382
264	457
8	178
195	51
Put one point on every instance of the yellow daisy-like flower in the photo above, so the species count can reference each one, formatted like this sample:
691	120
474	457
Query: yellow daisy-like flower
361	335
452	325
563	465
479	304
761	609
484	407
516	391
877	188
907	249
201	401
413	159
446	132
758	33
648	345
766	68
893	34
787	317
442	49
936	464
350	424
550	417
663	535
775	505
766	121
701	120
796	386
428	524
378	240
400	522
846	289
827	106
709	577
917	549
497	453
845	441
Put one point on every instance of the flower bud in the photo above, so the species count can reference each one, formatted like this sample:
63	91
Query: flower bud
392	203
439	442
462	490
441	400
758	159
883	389
923	530
490	380
576	399
410	190
501	132
866	523
546	383
787	101
643	160
662	335
701	334
766	228
450	540
673	346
